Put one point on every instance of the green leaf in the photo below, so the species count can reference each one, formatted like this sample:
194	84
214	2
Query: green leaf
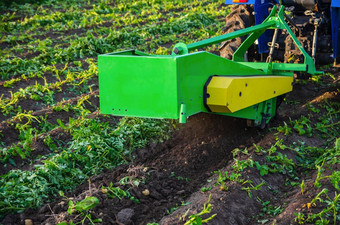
70	208
12	162
337	144
87	204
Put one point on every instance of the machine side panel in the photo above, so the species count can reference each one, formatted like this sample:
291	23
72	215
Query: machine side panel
140	86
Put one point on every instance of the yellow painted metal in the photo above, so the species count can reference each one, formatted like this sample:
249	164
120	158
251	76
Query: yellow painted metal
230	94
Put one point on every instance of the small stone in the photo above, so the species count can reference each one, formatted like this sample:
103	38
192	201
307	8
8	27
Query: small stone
44	209
28	222
180	192
125	216
61	203
146	192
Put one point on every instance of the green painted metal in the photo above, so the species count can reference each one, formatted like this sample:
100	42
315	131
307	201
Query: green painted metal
257	28
183	114
275	20
141	85
134	83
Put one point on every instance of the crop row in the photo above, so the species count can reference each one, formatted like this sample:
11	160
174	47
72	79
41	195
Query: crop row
49	85
45	92
75	18
95	146
91	45
71	78
31	126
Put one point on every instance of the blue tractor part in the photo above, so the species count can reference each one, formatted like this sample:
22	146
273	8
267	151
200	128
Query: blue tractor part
261	11
335	17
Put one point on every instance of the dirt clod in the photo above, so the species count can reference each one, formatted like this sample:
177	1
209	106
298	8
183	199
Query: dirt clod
125	216
146	192
28	222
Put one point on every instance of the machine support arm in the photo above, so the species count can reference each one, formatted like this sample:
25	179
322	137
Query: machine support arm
275	20
224	37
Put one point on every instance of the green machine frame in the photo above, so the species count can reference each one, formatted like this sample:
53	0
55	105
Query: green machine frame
133	83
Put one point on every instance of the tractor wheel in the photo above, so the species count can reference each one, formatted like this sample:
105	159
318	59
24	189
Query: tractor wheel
240	17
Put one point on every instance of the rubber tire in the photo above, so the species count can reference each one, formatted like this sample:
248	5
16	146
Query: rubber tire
240	17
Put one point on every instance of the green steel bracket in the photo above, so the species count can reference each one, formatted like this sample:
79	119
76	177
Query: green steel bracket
275	20
183	114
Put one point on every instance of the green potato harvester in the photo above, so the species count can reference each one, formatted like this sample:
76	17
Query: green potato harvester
187	82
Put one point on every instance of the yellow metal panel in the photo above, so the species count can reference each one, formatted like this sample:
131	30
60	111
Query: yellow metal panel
230	94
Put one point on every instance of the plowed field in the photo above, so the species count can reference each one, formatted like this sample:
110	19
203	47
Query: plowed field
62	162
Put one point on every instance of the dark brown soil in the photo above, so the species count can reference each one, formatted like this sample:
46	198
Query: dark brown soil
174	172
176	168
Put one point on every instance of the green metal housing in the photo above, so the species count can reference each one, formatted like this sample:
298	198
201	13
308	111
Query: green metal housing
137	84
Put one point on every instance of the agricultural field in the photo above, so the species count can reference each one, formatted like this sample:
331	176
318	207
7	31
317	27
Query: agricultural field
62	162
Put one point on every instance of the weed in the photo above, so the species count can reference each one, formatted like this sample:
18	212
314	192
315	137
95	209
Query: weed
302	126
302	187
269	209
312	108
221	179
196	219
284	129
240	165
116	192
264	169
50	143
300	218
172	174
251	188
331	209
205	189
173	209
133	181
83	207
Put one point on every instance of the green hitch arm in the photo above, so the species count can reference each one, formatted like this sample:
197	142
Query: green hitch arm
261	27
181	48
275	20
